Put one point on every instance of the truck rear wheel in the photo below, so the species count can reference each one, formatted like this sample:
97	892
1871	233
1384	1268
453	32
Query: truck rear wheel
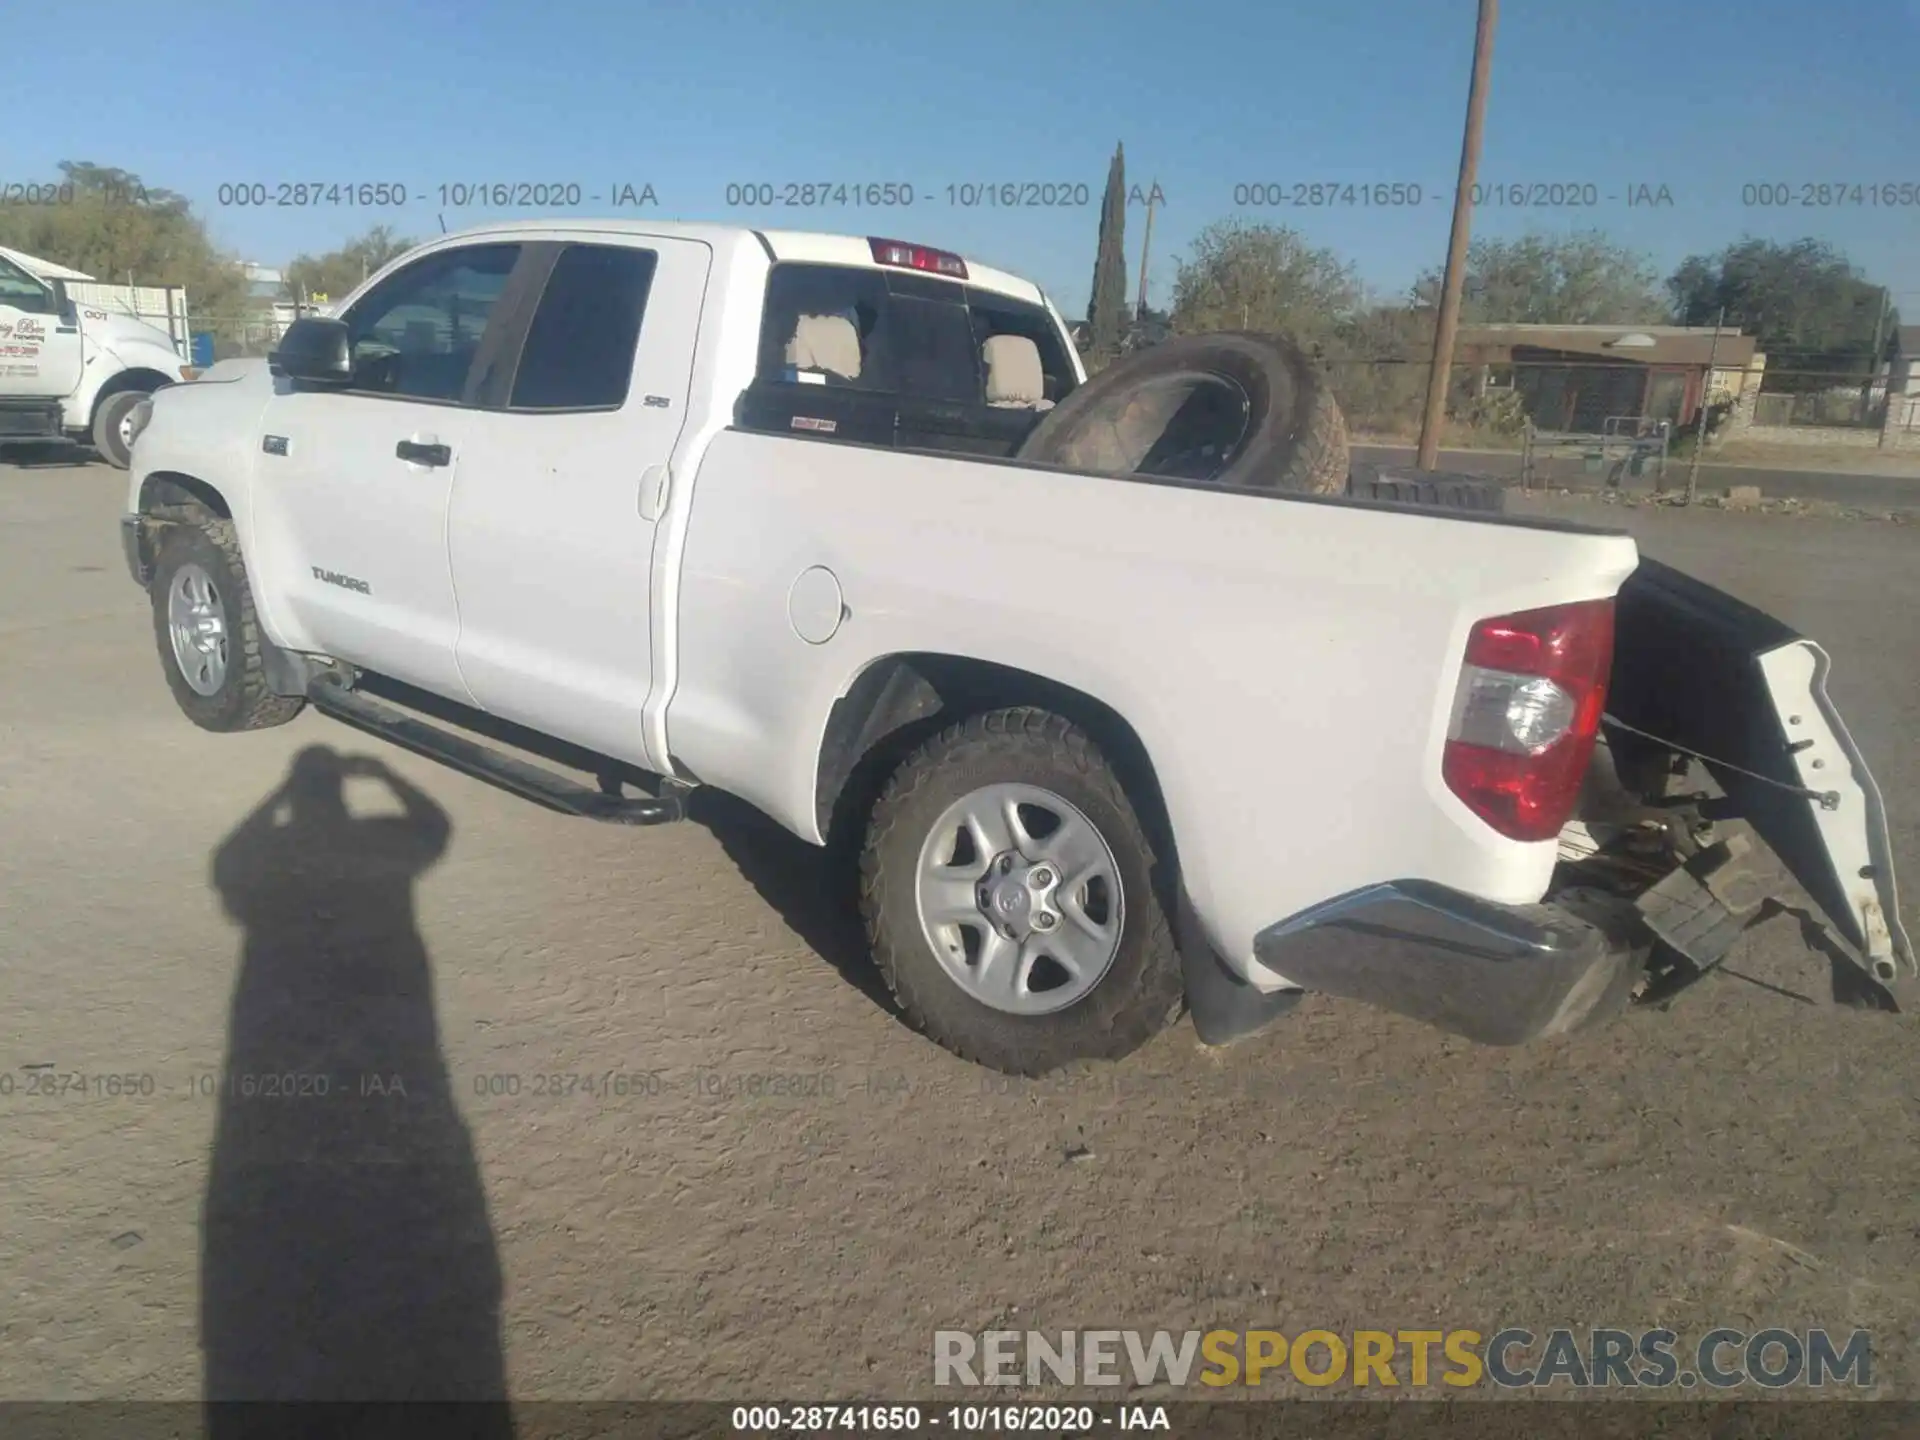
1008	889
209	638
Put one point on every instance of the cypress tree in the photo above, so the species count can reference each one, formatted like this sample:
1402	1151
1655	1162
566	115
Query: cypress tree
1107	306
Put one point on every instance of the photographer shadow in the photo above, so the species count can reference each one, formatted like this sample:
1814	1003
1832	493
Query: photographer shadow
346	1250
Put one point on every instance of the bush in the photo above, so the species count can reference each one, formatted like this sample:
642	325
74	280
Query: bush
1496	412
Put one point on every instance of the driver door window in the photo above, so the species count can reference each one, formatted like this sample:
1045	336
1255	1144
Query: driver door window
415	335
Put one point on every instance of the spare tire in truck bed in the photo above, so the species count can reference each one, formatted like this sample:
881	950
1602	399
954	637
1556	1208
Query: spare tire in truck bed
1427	489
1235	408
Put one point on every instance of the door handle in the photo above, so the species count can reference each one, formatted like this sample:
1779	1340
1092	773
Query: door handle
416	453
653	491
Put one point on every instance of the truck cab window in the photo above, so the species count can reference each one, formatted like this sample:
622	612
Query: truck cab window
23	292
416	333
580	347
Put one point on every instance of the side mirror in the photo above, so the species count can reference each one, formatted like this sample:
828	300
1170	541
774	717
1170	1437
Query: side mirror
63	303
315	351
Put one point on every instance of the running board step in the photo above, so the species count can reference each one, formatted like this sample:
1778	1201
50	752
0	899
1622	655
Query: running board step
483	762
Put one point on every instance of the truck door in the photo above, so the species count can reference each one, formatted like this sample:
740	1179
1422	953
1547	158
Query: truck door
352	486
41	352
563	478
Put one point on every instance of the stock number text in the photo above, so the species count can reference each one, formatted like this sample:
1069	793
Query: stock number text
304	194
1831	195
820	194
1310	194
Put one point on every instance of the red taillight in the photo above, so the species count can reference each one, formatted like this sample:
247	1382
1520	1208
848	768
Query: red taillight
1526	713
917	257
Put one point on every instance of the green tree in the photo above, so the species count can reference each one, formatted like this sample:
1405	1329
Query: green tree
1811	310
1578	279
1378	359
1245	276
336	273
111	224
1107	304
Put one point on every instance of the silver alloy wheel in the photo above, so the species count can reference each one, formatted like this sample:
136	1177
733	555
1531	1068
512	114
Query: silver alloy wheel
197	622
1020	897
126	426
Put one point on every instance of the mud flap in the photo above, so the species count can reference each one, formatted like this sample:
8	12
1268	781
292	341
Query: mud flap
1711	675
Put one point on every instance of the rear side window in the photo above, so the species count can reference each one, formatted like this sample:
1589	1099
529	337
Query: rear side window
579	349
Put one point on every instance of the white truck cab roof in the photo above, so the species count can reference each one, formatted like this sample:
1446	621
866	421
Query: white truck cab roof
809	246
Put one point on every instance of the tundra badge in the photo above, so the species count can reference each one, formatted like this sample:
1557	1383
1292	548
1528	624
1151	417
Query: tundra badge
345	582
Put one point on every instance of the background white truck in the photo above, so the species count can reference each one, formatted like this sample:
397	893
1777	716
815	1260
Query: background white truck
684	506
72	371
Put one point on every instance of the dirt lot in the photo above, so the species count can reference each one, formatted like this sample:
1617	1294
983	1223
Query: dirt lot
1746	1160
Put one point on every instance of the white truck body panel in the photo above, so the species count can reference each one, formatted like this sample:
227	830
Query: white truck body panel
1328	659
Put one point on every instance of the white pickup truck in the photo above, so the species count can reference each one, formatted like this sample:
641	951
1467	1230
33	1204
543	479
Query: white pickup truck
701	506
71	372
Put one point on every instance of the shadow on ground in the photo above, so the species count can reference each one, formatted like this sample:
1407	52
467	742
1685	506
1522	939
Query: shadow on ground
814	890
43	455
346	1249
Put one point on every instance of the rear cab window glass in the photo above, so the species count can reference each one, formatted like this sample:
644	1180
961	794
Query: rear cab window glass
580	346
914	341
1000	315
822	326
823	368
935	356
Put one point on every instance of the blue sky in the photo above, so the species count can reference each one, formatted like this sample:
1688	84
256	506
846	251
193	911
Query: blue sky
689	96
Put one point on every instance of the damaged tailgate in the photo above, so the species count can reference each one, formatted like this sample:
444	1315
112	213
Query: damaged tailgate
1696	670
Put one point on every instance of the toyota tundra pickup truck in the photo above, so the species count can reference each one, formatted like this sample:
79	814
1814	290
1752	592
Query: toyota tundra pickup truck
683	506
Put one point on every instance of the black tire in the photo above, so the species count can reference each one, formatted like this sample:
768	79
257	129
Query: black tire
1430	491
242	700
1140	993
108	416
1294	437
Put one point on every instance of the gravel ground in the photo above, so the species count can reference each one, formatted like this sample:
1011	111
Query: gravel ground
705	1230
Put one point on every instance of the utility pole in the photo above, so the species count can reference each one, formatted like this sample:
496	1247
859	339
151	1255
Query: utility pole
1706	393
1447	324
1873	362
1146	243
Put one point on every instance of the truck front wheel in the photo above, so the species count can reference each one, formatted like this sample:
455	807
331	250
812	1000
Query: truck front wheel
112	427
1009	892
209	638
